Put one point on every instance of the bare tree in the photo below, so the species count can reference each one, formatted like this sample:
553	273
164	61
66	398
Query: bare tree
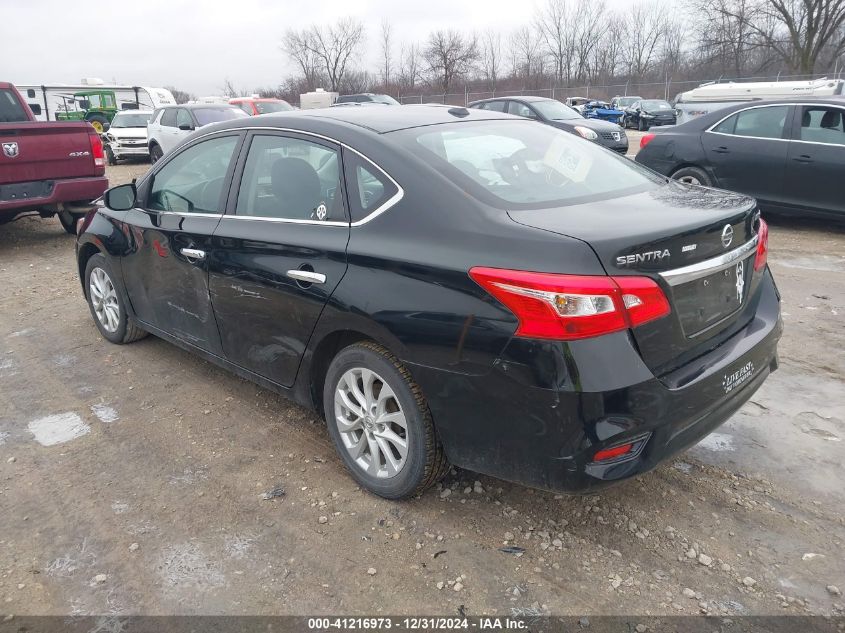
552	23
296	45
646	26
449	55
409	66
386	53
526	56
800	32
332	47
725	36
228	89
491	58
180	95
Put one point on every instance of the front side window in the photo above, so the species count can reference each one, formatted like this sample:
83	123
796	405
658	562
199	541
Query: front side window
822	124
291	179
183	119
192	181
520	109
765	122
519	164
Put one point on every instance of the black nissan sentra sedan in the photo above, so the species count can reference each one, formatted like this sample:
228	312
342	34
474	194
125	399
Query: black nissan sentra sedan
446	286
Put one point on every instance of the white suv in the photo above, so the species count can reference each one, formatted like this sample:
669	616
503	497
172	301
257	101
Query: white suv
127	135
169	125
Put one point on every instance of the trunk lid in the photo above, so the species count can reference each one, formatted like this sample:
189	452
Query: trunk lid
34	151
674	234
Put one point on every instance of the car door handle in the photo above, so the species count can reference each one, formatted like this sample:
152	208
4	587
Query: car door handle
803	158
307	276
193	253
722	150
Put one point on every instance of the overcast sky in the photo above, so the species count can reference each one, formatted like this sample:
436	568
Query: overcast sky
196	45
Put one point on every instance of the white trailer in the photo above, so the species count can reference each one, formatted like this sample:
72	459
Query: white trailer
318	99
47	100
712	96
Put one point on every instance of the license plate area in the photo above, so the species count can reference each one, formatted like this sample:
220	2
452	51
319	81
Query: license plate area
707	301
26	190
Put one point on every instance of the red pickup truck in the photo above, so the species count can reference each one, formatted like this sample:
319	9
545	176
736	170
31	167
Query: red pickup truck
52	168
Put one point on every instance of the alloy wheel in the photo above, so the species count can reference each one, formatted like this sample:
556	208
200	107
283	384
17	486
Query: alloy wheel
371	422
104	299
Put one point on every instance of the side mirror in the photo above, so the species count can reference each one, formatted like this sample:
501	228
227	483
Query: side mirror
186	127
121	198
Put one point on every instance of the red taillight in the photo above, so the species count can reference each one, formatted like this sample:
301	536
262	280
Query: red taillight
96	148
646	139
610	453
762	245
568	307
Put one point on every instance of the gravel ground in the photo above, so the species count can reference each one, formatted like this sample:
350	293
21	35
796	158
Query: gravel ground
140	479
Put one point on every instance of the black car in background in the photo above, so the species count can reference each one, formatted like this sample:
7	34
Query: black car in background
559	115
446	285
789	154
648	113
367	97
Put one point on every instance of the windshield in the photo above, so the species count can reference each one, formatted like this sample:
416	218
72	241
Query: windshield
133	119
555	110
519	164
626	101
265	107
384	99
655	104
213	115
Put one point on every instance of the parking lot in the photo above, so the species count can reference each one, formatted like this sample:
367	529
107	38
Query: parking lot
140	479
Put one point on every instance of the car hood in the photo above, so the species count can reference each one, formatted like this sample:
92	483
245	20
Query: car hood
128	132
596	125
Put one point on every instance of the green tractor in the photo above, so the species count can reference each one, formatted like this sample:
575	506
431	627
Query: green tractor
98	107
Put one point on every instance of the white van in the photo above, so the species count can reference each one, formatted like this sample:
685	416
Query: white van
714	96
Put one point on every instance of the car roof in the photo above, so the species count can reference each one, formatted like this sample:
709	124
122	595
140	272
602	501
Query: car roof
382	120
529	98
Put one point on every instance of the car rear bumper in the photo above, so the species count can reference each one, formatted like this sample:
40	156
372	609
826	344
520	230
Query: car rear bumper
545	409
26	196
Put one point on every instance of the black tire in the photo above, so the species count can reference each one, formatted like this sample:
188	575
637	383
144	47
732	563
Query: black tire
68	221
426	462
155	152
641	125
126	330
110	157
693	176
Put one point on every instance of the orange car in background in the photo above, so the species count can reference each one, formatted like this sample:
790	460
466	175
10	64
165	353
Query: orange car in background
257	105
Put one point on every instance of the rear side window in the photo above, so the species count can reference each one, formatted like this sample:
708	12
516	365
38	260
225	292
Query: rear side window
369	187
168	118
11	109
496	106
765	122
291	179
192	181
823	124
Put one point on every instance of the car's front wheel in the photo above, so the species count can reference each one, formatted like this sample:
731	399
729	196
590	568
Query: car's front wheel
641	125
155	152
380	423
106	304
693	176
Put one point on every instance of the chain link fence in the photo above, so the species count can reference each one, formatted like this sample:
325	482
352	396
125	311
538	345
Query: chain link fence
666	89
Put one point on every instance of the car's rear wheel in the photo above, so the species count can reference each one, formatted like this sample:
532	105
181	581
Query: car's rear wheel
106	304
380	423
693	176
155	153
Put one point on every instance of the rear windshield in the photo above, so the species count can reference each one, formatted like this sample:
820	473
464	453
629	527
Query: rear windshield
653	104
11	109
222	113
520	164
265	107
134	119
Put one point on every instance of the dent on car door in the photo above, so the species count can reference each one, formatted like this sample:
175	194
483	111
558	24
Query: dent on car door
747	151
279	252
816	159
165	268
